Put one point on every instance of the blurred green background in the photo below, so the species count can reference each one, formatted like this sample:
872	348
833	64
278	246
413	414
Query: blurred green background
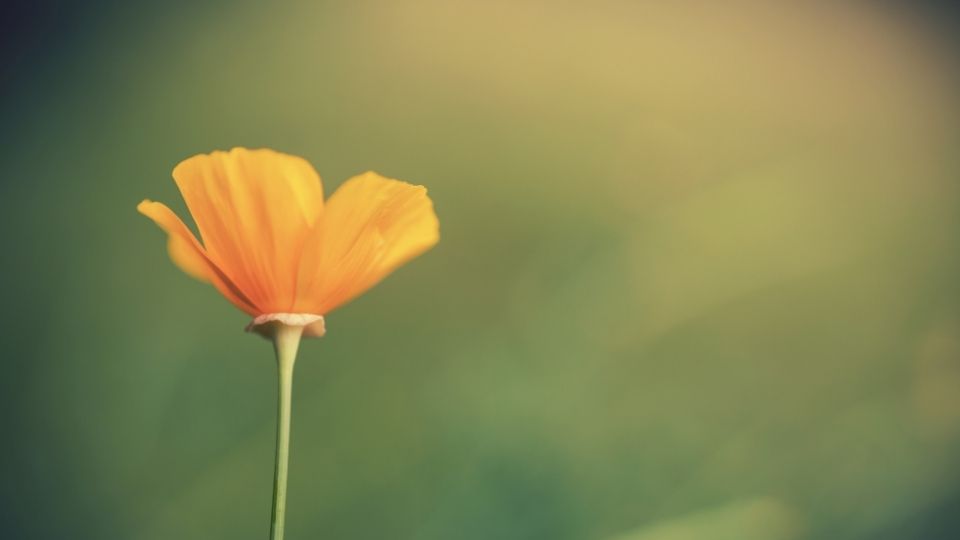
698	275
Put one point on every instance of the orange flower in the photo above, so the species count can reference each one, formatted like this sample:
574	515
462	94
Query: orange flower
274	249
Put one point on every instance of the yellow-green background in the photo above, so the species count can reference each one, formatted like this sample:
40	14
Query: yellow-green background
697	276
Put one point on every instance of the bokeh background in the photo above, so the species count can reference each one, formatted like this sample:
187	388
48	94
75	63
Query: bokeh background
698	275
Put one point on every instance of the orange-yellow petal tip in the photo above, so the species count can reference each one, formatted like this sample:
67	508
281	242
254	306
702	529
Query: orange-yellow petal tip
143	205
184	250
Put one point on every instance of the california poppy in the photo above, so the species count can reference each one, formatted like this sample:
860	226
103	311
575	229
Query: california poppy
277	251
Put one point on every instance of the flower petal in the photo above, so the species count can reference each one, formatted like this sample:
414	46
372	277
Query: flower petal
254	209
190	257
370	226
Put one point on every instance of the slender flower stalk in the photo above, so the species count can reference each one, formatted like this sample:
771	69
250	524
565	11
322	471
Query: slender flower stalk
286	341
273	247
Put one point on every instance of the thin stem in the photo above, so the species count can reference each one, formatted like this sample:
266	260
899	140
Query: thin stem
286	340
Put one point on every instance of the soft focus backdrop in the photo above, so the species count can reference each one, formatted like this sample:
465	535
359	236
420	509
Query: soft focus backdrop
698	274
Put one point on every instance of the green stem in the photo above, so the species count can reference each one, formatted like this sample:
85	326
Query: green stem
286	340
